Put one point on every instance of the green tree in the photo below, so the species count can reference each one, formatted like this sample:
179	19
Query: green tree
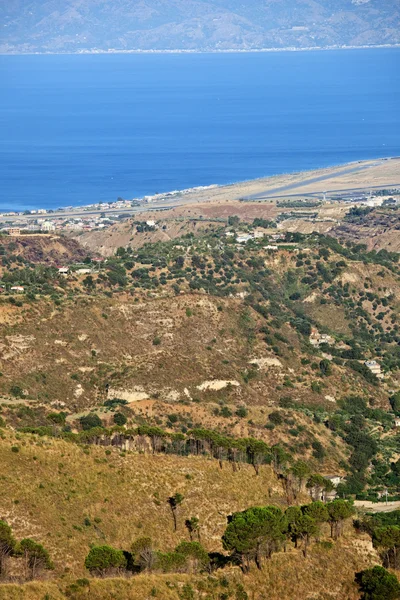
306	528
395	403
256	451
317	511
36	557
90	421
255	533
378	584
339	511
174	501
317	486
7	546
233	221
300	471
192	525
119	419
387	539
195	554
143	553
325	367
105	560
293	515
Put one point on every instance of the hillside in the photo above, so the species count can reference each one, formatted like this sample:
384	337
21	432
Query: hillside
220	365
68	497
78	25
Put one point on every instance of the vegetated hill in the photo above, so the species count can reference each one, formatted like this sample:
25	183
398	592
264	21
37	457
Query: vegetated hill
43	249
376	228
76	25
196	366
70	497
204	332
135	233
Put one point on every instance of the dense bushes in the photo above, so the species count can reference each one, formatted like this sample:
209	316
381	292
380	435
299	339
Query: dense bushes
378	584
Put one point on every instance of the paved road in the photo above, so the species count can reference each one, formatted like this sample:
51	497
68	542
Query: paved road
72	214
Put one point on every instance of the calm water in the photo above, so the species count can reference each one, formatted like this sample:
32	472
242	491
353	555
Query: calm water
79	129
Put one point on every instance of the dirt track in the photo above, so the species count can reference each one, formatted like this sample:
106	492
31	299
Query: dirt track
376	507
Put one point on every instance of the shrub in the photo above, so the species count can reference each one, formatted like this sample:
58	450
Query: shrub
90	421
170	562
36	556
378	584
241	412
120	419
104	560
276	418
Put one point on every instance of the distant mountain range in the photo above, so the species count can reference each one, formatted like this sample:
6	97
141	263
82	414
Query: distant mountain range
81	25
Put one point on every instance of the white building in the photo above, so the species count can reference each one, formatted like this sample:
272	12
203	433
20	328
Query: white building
375	368
48	226
84	271
242	238
334	479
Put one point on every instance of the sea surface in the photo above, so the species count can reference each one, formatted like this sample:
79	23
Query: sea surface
85	128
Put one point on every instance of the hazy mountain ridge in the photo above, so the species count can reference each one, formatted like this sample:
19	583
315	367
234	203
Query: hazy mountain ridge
76	25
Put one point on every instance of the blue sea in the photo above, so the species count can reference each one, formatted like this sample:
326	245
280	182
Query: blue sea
85	128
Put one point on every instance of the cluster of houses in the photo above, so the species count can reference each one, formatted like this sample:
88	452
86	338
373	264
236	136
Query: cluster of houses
316	338
60	224
242	237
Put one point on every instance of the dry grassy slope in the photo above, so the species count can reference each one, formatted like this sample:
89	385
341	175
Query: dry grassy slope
326	574
70	353
50	486
125	234
197	218
378	230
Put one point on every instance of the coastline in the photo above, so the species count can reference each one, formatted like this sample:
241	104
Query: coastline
112	51
350	175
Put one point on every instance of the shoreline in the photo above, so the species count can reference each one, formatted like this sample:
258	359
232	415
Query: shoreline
148	201
112	51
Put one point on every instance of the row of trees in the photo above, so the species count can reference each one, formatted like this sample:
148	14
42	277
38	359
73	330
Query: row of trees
188	557
251	536
257	533
293	475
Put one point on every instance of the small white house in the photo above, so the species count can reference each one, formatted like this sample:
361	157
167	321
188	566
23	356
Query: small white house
375	368
84	271
242	238
18	289
63	270
48	226
334	479
397	422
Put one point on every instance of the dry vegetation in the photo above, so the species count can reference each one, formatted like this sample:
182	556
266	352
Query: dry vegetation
50	489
